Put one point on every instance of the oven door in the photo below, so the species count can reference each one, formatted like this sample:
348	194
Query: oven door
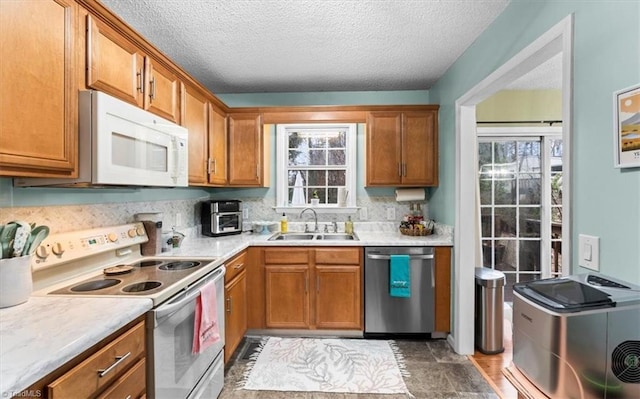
172	369
229	222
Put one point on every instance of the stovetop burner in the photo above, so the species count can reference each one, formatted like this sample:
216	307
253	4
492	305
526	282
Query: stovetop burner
179	265
142	286
95	285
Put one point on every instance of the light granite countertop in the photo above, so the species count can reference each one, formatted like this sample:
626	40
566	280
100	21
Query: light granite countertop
44	333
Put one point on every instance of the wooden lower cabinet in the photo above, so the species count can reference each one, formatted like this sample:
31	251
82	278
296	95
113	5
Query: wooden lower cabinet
235	297
317	288
442	289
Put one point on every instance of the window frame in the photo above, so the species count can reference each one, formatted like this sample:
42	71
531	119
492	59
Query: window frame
282	198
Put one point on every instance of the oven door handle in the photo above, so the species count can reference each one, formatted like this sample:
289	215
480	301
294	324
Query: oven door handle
192	293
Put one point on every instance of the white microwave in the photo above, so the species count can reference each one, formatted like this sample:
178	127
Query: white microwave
123	145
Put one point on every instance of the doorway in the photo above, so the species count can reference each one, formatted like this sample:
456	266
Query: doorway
467	232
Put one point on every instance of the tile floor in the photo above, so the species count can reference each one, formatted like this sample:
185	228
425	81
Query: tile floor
436	372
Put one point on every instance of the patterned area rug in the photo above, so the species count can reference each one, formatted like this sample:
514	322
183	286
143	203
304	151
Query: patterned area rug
326	365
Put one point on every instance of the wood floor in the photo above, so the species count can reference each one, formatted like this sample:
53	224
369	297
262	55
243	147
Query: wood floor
491	366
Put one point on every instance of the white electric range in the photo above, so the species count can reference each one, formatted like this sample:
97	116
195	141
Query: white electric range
108	262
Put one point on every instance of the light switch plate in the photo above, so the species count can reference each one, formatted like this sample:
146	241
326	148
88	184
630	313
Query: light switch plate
364	214
589	252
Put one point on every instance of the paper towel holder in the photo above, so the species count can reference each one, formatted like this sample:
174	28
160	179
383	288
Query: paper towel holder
410	194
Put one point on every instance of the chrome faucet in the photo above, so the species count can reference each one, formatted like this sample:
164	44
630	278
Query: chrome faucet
315	217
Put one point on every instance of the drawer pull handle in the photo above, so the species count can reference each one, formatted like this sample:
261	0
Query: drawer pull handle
238	266
128	397
119	359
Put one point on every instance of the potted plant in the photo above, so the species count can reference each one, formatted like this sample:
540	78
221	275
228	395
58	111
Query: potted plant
315	200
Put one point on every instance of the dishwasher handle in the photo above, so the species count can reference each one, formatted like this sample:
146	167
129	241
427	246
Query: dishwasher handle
388	257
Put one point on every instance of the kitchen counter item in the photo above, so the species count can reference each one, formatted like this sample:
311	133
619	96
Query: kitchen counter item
15	281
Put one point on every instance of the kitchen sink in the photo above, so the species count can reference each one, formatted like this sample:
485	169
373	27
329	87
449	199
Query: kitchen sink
313	236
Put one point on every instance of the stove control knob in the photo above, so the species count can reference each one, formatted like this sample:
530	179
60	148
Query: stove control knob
42	252
140	230
132	233
57	249
113	237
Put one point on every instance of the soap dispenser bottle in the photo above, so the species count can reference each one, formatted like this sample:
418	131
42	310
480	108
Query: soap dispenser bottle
283	223
348	226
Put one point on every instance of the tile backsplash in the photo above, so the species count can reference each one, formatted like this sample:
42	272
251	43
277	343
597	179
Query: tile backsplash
62	218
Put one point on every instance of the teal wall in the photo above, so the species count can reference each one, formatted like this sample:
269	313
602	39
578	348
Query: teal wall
20	197
606	200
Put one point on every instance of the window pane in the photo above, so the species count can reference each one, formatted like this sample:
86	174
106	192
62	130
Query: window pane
338	140
505	222
530	255
337	177
530	189
505	192
337	157
322	194
486	221
317	141
318	157
317	178
530	222
299	157
484	154
292	174
332	195
505	152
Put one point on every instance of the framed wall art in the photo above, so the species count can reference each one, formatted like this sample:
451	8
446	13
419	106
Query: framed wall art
626	117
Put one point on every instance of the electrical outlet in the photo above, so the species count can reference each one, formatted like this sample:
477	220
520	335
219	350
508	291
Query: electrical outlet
245	213
364	214
391	213
178	219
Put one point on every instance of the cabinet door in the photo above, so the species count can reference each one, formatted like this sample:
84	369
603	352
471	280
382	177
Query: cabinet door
287	296
163	91
245	150
115	65
236	313
419	149
194	118
39	88
338	296
217	147
383	148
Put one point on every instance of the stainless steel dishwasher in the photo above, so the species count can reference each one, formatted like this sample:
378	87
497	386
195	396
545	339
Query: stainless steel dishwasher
384	314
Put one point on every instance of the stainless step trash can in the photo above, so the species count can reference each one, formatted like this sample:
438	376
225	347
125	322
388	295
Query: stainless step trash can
489	318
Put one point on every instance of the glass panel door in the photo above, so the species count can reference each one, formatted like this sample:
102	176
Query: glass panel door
517	207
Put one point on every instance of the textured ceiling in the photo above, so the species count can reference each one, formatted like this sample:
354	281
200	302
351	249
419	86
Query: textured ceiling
240	46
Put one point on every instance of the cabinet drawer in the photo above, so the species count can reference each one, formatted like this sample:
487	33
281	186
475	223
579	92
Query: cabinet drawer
130	385
235	266
84	380
338	256
286	256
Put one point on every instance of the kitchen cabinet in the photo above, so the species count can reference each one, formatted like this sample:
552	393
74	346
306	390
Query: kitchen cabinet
402	148
39	84
317	288
235	293
117	66
442	287
247	151
120	358
207	127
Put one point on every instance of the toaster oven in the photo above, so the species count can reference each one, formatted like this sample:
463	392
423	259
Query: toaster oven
221	217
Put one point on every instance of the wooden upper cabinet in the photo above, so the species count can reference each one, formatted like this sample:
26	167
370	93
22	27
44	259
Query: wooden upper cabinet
114	64
163	91
194	118
39	88
217	165
384	148
402	148
245	150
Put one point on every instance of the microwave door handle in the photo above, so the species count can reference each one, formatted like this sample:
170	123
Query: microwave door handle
176	158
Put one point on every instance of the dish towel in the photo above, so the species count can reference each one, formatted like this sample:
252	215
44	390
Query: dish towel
205	329
400	276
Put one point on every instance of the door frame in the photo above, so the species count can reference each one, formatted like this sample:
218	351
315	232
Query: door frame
467	254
